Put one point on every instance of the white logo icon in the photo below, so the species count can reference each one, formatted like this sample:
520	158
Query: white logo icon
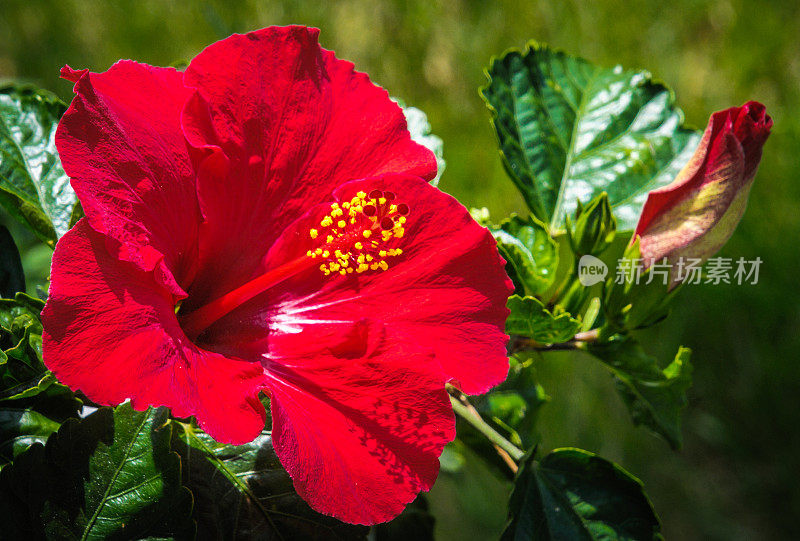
591	270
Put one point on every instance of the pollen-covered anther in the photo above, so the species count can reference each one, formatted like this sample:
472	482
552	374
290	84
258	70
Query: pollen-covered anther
359	234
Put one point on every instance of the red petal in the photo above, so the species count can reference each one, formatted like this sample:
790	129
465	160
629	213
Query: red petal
445	295
359	429
110	330
294	122
121	143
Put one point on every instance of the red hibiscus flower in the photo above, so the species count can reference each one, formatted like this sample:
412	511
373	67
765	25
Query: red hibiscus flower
262	222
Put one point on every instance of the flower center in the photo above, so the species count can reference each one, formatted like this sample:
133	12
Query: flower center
354	237
357	234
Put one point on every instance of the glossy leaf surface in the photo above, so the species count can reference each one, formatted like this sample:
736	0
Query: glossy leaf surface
110	475
530	252
33	186
569	130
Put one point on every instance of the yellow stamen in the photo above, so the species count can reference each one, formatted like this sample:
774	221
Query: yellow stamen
350	222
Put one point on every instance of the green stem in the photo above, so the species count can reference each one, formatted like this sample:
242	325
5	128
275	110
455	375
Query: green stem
566	281
578	342
491	434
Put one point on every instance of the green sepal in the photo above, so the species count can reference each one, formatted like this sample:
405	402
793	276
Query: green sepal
634	303
594	227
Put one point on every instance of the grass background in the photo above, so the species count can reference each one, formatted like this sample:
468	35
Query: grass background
737	476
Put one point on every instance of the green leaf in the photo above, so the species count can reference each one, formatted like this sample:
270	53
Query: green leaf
18	313
513	406
21	366
577	495
47	397
33	186
108	476
569	130
654	397
421	133
452	458
530	318
19	429
243	492
530	252
420	129
12	277
523	381
32	404
23	375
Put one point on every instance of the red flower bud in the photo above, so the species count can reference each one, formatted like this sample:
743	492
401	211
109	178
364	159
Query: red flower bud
696	214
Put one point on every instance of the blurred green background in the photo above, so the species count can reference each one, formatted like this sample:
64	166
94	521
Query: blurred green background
737	476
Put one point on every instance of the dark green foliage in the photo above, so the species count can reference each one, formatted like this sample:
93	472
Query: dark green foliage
12	277
242	492
576	495
111	475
